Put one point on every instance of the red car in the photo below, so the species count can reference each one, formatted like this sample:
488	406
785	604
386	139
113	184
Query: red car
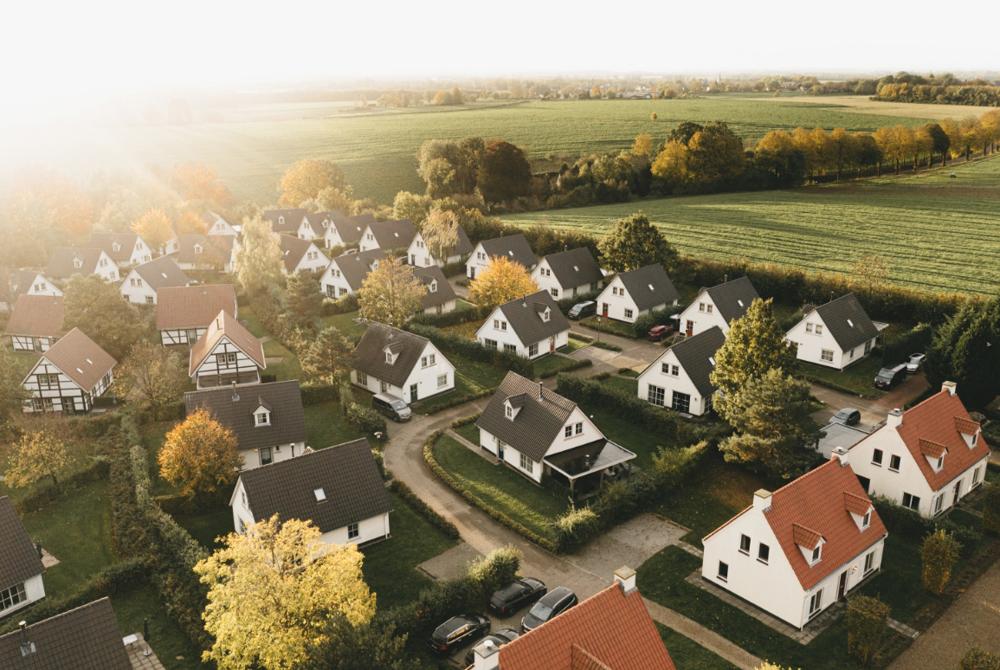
657	333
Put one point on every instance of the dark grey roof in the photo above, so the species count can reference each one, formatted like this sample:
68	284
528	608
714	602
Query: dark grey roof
162	272
695	355
515	247
369	355
234	408
347	474
536	425
355	267
85	638
525	316
317	219
575	267
649	286
22	279
215	249
106	242
292	251
847	321
19	559
292	218
444	293
733	298
463	247
61	261
352	227
393	234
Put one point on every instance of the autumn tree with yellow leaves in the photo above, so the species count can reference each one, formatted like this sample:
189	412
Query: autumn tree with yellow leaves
37	455
155	228
502	281
307	178
199	455
391	293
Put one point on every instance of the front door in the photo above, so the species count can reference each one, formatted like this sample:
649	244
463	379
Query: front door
842	587
552	344
413	392
472	272
604	309
689	328
500	446
958	491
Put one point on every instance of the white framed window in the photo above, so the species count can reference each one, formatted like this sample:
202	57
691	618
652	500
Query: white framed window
628	313
826	354
866	521
809	328
150	300
266	456
510	348
877	457
815	603
352	531
388	357
526	463
723	572
894	463
655	395
384	386
442	381
763	553
817	553
976	476
568	431
423	361
911	501
362	378
433	359
869	562
15	595
578	428
533	349
938	503
262	418
490	344
745	545
819	328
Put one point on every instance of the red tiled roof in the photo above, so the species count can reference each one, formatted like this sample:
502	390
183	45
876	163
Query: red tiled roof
226	325
857	504
805	537
932	449
36	316
967	426
935	421
815	502
610	630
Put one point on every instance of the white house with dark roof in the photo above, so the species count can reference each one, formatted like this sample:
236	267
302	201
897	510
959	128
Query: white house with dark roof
285	221
143	281
226	354
680	377
387	235
512	247
926	458
345	273
36	322
632	294
339	489
346	231
64	262
21	568
183	313
440	297
314	225
568	274
797	551
68	376
196	251
217	225
125	249
301	256
718	306
529	327
420	256
32	282
400	363
538	433
834	335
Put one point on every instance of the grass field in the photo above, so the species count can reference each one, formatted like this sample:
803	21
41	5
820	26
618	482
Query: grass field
935	232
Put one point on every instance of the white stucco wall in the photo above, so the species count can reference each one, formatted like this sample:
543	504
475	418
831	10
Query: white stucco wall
654	375
506	336
511	456
426	378
699	316
333	283
617	304
369	530
135	289
40	285
34	590
810	345
279	452
547	281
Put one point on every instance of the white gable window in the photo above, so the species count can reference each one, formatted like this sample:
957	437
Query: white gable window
389	358
867	519
508	411
198	249
262	417
546	314
817	554
433	286
819	328
281	220
116	247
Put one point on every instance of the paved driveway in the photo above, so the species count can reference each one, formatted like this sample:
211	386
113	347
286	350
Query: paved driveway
873	411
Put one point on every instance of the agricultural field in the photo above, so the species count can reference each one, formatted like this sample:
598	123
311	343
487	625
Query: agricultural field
934	230
250	146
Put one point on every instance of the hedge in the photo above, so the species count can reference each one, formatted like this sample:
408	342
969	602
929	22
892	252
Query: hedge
449	343
343	305
452	318
453	269
423	509
366	420
316	394
916	339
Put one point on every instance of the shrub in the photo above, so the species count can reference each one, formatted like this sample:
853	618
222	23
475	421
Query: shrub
366	420
449	343
452	318
897	349
967	537
991	507
496	569
867	620
978	659
900	520
659	317
349	303
938	555
423	509
453	269
576	526
671	466
46	493
314	395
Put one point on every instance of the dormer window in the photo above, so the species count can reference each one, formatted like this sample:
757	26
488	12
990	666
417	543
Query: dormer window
262	417
546	314
650	287
77	263
817	553
866	520
388	357
281	220
198	248
433	286
116	247
509	411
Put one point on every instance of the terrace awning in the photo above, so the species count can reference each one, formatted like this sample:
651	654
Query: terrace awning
588	459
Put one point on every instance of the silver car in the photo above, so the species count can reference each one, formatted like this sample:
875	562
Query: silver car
914	362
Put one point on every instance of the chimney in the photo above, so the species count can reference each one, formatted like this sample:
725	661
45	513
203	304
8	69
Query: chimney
841	455
486	657
540	387
27	646
625	578
762	499
894	419
950	387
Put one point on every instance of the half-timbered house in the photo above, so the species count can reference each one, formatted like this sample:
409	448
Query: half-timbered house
36	322
69	376
184	312
227	353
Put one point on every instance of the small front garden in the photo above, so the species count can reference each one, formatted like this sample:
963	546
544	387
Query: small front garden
857	379
473	379
603	324
689	654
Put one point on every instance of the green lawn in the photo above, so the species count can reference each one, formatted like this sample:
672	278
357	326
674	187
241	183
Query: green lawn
326	425
473	379
346	324
573	344
623	384
469	431
855	379
466	329
552	364
288	365
166	639
898	583
500	488
390	566
606	325
688	654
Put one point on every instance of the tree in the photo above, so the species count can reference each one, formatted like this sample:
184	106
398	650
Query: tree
96	307
449	167
391	293
979	659
777	155
155	228
965	350
411	206
991	508
870	273
684	131
199	455
273	591
190	221
304	300
259	261
502	281
673	163
305	179
327	358
152	377
334	199
504	172
12	392
376	645
716	153
37	455
867	623
197	182
939	140
440	232
643	145
938	556
633	242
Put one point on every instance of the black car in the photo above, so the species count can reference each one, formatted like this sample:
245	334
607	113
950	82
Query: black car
889	377
552	604
516	595
848	416
459	631
498	638
582	309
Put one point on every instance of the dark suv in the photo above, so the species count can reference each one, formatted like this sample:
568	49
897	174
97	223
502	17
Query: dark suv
516	595
889	377
551	605
459	631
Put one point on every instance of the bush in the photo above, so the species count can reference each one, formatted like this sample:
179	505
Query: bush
496	569
967	537
897	349
978	659
453	269
672	466
366	420
423	509
576	526
314	395
899	520
659	317
938	555
867	621
991	507
452	318
449	343
348	303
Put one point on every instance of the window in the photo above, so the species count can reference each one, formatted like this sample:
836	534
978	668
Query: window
509	411
681	402
442	381
817	552
527	464
655	395
568	431
12	596
826	355
894	462
225	360
723	572
745	544
533	349
352	531
708	308
975	477
809	328
490	344
384	386
265	455
48	381
938	503
362	378
578	428
940	462
388	357
815	603
911	501
669	369
628	313
763	553
510	348
554	292
819	328
262	418
867	520
877	457
150	300
869	562
701	307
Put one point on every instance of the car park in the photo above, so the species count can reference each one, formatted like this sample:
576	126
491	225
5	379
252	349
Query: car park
458	631
517	594
549	606
891	376
582	309
498	638
392	407
657	333
848	416
914	362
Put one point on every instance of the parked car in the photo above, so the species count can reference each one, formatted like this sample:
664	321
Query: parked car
582	309
459	631
848	416
914	362
391	406
657	333
516	595
551	605
889	377
498	638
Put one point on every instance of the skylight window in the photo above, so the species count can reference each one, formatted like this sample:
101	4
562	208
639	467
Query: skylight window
576	268
850	323
320	495
711	359
739	302
650	287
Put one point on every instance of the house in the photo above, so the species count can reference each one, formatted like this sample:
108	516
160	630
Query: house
389	360
125	249
35	322
216	225
267	419
680	378
420	256
631	294
387	235
315	224
346	231
32	282
537	432
529	327
926	458
345	273
513	247
64	262
143	281
796	551
834	335
301	256
718	306
285	221
568	274
612	629
440	297
184	312
21	568
196	251
339	489
83	638
226	354
68	376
